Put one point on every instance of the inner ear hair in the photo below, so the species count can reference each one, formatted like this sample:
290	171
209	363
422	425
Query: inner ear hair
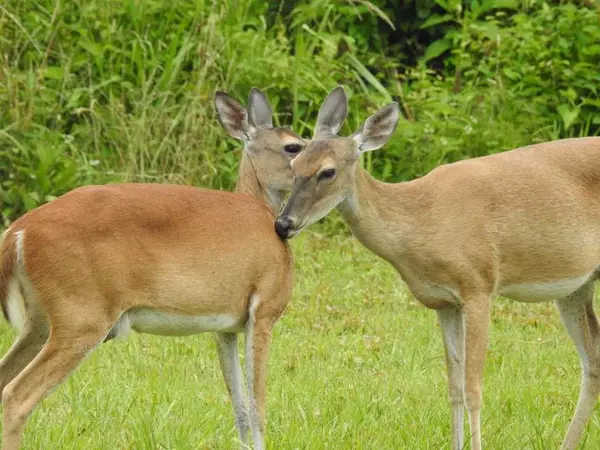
261	113
332	114
232	116
378	128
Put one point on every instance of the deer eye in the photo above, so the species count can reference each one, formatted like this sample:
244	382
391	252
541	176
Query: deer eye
292	149
327	174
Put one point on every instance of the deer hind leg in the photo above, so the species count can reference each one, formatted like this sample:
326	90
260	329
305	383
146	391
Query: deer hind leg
69	343
30	340
232	373
451	323
577	314
28	344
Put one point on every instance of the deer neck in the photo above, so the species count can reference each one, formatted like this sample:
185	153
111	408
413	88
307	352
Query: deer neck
380	215
248	183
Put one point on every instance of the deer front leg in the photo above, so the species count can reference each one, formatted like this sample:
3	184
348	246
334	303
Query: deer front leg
476	312
232	373
258	340
451	323
577	314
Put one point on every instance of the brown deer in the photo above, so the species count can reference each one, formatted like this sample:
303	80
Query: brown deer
155	258
524	224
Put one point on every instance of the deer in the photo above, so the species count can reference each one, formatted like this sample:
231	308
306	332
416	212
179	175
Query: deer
164	259
524	224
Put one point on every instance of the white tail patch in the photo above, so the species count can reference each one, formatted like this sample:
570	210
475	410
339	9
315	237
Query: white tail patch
15	305
15	302
20	238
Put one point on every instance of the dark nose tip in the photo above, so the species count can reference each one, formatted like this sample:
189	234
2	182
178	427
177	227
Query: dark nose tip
283	226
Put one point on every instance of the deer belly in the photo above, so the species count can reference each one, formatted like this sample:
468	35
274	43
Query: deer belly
542	292
157	322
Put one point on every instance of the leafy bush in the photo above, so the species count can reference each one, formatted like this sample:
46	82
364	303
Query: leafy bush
549	56
510	80
447	126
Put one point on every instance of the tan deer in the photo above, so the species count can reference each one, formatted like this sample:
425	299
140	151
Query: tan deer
161	259
524	224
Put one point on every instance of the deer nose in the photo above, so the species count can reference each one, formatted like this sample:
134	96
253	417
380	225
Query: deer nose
284	225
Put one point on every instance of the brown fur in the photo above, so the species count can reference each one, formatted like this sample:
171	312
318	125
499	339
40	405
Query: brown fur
526	216
469	231
149	245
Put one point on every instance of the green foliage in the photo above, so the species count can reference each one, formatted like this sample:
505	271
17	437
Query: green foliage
447	126
130	85
35	175
509	81
549	56
93	92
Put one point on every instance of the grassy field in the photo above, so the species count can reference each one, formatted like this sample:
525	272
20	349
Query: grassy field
356	363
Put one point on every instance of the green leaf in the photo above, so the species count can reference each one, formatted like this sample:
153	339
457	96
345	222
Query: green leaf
54	73
369	77
489	5
29	202
91	47
568	115
35	196
436	19
500	4
592	101
74	98
450	6
592	50
436	48
66	178
490	31
511	74
596	119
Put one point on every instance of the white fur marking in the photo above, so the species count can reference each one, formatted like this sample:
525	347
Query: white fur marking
254	301
122	328
157	322
291	140
542	292
230	363
15	305
20	235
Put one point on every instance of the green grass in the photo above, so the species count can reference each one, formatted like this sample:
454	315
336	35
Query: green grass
356	363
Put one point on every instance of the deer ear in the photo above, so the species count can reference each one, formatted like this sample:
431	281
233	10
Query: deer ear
233	116
378	128
260	111
332	114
